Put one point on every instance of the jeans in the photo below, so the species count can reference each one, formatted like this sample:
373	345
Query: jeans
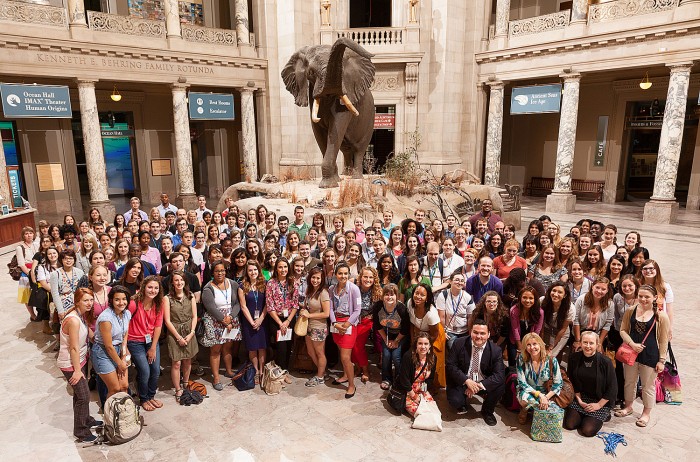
148	374
81	406
390	357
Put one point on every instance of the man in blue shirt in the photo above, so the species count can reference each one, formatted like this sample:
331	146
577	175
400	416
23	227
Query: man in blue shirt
483	280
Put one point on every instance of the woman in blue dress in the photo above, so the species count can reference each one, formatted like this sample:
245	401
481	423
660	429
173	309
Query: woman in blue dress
251	296
535	368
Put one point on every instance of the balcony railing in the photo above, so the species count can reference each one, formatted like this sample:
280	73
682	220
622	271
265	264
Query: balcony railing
33	14
117	24
208	35
369	37
618	9
547	22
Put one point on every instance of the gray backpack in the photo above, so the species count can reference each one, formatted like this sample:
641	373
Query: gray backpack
122	419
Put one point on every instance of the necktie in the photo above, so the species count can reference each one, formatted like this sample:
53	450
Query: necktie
474	366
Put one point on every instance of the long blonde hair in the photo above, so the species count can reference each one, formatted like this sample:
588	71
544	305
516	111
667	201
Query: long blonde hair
543	348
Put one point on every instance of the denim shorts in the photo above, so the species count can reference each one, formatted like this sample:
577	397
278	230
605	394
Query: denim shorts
101	361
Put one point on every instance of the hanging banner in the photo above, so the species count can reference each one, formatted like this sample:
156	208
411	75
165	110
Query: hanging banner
599	158
384	120
21	101
538	99
211	106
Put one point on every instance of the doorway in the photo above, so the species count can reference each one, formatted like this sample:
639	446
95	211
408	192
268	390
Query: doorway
370	13
644	122
119	148
382	144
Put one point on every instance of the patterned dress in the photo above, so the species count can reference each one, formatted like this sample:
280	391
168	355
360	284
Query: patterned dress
420	389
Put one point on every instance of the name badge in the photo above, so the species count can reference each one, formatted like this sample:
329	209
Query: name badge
285	313
475	376
256	314
149	339
424	387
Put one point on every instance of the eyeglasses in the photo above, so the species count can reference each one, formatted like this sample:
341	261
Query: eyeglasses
492	302
649	268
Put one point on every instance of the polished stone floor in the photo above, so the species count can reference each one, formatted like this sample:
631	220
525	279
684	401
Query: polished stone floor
318	424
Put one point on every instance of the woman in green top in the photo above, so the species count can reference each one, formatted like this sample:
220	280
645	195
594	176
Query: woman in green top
271	257
411	278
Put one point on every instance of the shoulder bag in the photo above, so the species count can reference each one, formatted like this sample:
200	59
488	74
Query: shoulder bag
566	395
397	398
626	354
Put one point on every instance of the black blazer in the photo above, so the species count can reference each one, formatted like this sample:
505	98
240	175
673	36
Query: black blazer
459	360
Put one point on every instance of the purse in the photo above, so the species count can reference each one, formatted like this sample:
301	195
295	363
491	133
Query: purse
547	425
244	378
427	417
301	327
397	398
670	378
566	394
626	354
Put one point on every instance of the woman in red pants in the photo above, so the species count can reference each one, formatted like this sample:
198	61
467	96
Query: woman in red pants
371	291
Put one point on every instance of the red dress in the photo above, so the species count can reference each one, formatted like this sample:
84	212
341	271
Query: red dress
412	404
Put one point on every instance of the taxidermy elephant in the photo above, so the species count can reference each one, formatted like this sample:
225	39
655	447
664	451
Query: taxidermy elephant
337	79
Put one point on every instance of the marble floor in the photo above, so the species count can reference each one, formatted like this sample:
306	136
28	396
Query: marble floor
317	424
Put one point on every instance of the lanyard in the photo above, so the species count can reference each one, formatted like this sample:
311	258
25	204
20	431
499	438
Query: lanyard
255	297
225	293
431	271
455	306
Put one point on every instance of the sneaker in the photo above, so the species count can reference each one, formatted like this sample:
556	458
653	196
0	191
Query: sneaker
462	410
88	439
199	371
313	381
218	386
96	423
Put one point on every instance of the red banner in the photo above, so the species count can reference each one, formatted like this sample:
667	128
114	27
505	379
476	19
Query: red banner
384	120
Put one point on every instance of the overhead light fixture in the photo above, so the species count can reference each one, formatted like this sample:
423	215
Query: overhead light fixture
645	84
116	96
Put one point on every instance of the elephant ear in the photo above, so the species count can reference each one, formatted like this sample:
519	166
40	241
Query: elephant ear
294	77
349	72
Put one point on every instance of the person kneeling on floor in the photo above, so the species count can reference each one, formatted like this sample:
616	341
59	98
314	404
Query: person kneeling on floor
475	367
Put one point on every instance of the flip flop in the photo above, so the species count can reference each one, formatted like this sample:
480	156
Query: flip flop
178	394
148	406
157	404
642	423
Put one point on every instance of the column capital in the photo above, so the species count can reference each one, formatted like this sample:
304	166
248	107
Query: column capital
680	67
179	86
86	82
247	89
571	77
495	84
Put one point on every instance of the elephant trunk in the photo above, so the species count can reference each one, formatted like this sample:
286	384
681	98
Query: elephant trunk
348	104
314	112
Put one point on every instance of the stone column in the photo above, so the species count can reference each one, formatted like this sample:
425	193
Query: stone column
579	11
76	13
94	154
494	134
172	18
662	208
562	200
250	142
5	194
502	17
242	18
183	147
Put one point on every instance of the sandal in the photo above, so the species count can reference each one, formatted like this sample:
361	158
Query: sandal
257	379
364	378
157	404
522	416
148	406
623	412
642	423
178	394
287	379
385	385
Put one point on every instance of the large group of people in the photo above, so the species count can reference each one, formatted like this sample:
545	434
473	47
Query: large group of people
443	304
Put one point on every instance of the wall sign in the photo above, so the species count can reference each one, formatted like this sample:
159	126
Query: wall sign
384	121
161	167
50	177
211	106
20	101
537	99
599	158
15	187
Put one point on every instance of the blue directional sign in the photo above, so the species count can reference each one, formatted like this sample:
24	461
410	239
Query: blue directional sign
538	99
15	187
35	101
211	106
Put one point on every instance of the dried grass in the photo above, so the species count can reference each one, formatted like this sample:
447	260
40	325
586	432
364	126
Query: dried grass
293	196
352	193
300	173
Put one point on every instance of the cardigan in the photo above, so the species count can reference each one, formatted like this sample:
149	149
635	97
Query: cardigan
407	373
606	381
662	328
208	297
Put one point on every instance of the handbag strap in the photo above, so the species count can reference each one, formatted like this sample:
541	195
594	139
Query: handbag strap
421	371
671	356
650	329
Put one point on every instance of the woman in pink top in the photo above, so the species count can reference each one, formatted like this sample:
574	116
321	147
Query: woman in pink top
72	360
525	316
146	310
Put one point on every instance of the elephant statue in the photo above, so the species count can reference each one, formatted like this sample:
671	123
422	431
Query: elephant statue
337	79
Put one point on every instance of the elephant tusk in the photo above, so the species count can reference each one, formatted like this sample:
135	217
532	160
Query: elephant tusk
349	105
314	113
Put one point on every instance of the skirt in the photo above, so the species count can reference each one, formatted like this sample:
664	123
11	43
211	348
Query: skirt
101	361
214	330
24	290
346	341
254	339
602	414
